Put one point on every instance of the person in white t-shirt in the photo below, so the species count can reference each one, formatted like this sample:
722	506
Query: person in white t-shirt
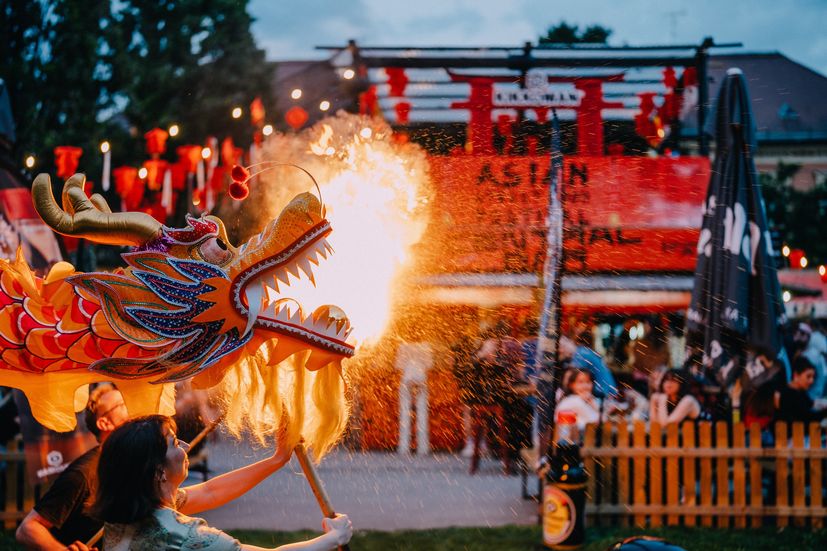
579	398
674	403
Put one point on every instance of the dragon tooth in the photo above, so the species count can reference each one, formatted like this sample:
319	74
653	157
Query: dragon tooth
296	317
304	265
313	256
347	333
293	270
276	284
327	246
321	250
282	276
253	294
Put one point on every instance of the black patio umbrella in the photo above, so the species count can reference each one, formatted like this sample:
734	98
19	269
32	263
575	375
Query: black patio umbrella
736	299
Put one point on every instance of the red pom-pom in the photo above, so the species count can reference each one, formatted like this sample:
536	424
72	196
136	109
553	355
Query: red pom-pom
239	191
239	173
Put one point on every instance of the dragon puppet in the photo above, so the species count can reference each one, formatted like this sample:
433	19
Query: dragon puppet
188	305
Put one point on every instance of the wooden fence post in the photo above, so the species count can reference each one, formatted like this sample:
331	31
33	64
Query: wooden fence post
781	490
705	443
799	498
672	472
623	470
739	478
690	490
639	443
722	470
815	476
655	474
756	480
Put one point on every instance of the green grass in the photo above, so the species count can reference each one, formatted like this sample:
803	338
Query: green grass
514	538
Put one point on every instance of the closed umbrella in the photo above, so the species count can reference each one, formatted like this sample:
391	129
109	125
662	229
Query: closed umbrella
736	299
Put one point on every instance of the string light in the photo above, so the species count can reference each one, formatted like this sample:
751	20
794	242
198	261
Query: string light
296	93
29	161
366	133
173	130
237	112
205	153
803	262
267	130
786	295
785	250
105	147
324	105
822	270
348	74
142	173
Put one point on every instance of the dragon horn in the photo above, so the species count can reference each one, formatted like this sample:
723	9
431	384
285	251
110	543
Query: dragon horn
90	219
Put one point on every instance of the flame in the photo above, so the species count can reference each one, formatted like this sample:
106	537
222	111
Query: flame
375	193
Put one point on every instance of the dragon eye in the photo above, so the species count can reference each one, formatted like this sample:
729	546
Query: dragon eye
215	251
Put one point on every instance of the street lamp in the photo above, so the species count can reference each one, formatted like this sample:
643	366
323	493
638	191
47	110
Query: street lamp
105	147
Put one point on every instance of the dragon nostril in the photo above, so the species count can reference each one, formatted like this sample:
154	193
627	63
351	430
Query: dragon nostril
221	244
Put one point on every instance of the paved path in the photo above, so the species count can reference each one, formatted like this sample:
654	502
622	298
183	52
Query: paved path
379	491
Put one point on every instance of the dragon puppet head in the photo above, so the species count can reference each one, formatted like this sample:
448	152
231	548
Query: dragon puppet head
191	305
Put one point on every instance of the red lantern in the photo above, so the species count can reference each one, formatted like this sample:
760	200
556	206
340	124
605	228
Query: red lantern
397	81
257	112
228	152
403	111
189	156
66	160
368	102
156	141
797	259
128	186
238	191
296	117
155	169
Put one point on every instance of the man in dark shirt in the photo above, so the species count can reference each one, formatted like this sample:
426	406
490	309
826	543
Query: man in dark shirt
793	402
58	520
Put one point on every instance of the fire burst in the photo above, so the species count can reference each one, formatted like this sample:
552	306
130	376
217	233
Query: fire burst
375	192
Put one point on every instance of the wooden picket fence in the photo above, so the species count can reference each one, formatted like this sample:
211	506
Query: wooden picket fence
19	494
705	474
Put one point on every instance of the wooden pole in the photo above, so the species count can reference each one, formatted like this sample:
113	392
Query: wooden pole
316	485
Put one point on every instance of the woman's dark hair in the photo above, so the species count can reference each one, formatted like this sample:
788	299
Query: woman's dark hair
802	364
128	469
679	376
571	376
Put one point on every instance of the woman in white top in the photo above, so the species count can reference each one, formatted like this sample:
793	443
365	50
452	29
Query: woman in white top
579	399
673	404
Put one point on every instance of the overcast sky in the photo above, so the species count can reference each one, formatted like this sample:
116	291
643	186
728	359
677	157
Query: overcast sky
290	29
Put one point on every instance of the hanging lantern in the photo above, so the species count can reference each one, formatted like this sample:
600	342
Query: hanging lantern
189	157
155	169
296	117
66	160
156	141
397	81
128	186
257	113
403	112
228	156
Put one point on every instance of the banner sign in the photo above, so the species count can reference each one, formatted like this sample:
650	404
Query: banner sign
620	213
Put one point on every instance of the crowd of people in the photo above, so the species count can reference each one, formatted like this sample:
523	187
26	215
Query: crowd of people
511	400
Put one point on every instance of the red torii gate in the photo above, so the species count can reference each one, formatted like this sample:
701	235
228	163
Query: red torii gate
480	103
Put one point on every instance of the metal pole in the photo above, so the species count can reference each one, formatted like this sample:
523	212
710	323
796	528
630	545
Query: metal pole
548	351
701	61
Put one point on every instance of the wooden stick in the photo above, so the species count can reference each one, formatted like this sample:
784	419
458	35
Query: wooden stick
316	485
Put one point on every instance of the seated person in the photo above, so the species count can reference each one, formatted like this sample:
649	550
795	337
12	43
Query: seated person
793	401
141	466
579	398
674	403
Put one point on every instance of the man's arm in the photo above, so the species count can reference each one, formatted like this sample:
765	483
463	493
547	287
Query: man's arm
222	489
33	534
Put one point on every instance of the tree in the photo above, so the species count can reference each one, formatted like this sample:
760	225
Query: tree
187	62
563	33
793	215
50	52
